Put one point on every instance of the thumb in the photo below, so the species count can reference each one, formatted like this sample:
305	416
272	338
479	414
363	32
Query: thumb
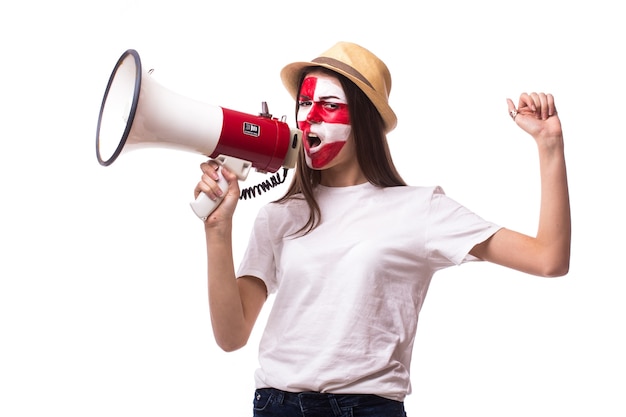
228	175
510	105
511	108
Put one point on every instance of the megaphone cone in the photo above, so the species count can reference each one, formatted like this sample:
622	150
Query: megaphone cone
137	112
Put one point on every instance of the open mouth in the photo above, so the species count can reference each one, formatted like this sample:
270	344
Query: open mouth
313	140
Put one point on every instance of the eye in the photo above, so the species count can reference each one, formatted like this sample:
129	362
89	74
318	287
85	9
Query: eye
331	106
305	103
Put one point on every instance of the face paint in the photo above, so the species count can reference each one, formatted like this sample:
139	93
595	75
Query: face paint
324	119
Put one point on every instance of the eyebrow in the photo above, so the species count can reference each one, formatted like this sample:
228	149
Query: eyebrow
327	97
323	98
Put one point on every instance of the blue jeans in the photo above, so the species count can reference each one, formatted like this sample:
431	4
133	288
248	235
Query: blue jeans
270	402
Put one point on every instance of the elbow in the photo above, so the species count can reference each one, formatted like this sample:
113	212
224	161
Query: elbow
553	262
555	273
231	345
555	269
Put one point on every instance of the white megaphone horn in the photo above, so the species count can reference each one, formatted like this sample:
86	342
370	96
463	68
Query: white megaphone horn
137	112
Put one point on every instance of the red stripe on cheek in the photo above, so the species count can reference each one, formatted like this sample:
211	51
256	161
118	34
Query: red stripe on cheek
340	115
326	154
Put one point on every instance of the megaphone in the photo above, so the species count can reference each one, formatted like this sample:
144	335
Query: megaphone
137	112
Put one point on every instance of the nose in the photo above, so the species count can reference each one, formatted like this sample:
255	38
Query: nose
314	115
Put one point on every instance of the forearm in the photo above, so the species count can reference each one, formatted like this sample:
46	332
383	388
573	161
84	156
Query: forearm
225	304
554	230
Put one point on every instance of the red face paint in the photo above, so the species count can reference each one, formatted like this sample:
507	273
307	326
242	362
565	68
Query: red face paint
324	118
321	158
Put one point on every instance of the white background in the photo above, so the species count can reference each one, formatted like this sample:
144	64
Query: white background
103	307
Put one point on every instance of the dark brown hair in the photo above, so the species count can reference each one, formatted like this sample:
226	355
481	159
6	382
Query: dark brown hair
372	151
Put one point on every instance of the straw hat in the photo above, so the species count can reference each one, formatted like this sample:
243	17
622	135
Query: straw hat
357	64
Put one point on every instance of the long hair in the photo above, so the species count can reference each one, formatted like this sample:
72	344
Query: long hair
372	151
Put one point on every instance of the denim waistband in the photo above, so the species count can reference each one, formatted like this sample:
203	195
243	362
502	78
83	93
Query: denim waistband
314	403
351	400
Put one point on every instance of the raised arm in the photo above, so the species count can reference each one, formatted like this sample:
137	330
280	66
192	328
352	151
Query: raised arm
234	304
548	253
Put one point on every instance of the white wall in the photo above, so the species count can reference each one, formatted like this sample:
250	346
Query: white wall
102	271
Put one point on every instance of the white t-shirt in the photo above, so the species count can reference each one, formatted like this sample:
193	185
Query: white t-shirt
348	294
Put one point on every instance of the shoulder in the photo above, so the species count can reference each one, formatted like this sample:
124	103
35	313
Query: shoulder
411	194
279	218
281	208
416	190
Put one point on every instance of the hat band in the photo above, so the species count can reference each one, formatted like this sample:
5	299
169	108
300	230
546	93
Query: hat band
343	67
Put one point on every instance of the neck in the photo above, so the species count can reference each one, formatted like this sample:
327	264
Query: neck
341	177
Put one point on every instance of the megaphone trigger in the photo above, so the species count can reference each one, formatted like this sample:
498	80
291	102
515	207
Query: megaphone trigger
239	167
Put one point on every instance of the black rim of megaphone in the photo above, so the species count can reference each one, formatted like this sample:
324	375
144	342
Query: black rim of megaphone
133	109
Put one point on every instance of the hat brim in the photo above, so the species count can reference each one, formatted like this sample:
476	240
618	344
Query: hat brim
291	73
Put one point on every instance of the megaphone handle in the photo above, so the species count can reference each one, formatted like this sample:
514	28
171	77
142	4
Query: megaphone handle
203	206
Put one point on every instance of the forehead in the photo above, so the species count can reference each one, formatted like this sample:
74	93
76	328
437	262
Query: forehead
320	84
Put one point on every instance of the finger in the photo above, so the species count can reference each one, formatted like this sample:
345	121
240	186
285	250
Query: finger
213	163
536	100
204	187
209	186
526	103
209	182
551	105
543	106
210	168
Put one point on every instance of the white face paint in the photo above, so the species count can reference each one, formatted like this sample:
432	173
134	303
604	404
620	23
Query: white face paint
323	117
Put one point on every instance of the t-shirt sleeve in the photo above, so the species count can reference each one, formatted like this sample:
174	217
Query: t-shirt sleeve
454	230
258	259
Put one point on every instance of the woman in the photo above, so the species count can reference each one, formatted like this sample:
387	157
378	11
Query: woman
349	251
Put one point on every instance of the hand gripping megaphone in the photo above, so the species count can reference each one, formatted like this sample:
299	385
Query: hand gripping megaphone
137	112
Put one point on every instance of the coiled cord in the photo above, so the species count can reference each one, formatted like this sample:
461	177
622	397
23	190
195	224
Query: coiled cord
264	186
